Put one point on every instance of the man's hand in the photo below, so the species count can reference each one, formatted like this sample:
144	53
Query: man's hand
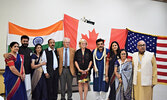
47	75
129	60
6	55
153	86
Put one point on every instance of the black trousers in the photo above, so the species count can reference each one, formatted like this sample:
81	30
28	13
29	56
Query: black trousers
52	85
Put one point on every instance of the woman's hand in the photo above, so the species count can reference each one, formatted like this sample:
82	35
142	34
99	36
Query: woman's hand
120	80
82	71
43	63
22	77
106	79
118	76
87	70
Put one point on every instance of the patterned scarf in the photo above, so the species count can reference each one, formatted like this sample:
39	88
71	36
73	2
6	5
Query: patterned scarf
95	57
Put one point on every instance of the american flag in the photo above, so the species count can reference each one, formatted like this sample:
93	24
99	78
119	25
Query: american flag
156	44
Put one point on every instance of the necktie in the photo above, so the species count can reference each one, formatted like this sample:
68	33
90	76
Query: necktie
66	57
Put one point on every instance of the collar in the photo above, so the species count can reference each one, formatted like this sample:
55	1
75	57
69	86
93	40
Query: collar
65	48
49	49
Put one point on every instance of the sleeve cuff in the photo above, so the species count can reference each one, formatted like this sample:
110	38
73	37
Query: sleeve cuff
11	63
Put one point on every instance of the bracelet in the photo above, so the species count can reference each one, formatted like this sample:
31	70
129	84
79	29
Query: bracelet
20	75
88	68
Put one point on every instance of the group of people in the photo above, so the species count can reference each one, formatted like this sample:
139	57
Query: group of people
39	72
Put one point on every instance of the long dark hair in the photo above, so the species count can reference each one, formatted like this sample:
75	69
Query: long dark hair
36	47
112	54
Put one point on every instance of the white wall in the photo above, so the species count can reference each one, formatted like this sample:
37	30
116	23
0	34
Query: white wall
140	15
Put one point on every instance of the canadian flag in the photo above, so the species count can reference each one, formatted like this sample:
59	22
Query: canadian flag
77	29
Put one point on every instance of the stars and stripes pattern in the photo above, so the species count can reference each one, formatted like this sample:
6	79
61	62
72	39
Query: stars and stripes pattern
156	44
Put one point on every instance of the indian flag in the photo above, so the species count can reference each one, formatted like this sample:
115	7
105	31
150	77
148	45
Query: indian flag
36	36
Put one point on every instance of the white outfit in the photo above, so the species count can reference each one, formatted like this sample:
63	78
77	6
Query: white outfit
28	86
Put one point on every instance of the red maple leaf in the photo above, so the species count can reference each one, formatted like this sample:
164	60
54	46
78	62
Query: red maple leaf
91	40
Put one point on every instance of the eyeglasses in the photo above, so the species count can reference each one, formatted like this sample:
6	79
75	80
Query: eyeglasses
140	45
66	42
123	53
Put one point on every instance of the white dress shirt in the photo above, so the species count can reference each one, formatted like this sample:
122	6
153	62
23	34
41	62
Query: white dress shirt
44	59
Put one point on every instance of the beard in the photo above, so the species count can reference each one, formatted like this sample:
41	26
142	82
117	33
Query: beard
25	45
101	48
53	46
141	52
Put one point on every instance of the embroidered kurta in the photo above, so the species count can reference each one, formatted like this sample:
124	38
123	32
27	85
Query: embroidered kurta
98	83
145	92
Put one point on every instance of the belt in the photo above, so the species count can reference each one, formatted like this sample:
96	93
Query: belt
66	66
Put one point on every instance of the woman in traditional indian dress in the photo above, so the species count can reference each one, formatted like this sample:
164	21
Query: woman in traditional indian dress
123	80
83	62
111	59
14	75
38	80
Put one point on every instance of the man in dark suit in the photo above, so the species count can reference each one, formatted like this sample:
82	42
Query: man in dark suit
51	70
66	68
